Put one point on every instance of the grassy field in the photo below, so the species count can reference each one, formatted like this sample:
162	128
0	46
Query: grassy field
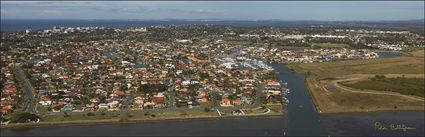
127	116
330	45
123	116
339	101
398	65
112	117
407	86
419	53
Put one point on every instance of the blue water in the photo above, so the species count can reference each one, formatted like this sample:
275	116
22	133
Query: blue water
389	54
363	124
303	119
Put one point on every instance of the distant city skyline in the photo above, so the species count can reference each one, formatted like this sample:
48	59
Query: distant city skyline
236	10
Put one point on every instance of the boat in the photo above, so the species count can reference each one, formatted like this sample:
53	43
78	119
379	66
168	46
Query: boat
286	90
285	100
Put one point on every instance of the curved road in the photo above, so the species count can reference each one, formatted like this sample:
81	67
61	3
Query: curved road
28	90
335	83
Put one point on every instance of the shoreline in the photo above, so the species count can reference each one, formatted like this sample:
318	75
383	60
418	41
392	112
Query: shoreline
130	121
368	112
325	112
308	83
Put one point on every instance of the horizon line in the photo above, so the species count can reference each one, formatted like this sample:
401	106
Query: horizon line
171	19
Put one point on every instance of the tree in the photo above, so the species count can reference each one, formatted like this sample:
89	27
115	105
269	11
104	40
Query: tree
76	102
145	88
1	117
125	117
204	75
90	114
123	88
23	117
65	114
380	76
202	56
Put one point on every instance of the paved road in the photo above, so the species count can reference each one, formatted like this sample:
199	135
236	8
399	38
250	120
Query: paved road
110	53
215	103
259	94
28	90
162	110
171	101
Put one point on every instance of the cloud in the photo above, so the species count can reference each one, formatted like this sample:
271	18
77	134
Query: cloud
136	10
3	11
207	11
231	10
190	11
149	10
47	13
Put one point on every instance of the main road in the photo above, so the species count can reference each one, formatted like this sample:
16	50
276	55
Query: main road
27	88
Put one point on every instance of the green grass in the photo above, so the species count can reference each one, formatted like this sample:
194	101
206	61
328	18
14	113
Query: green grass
418	53
398	65
96	116
207	104
331	45
334	102
407	86
123	115
338	101
275	108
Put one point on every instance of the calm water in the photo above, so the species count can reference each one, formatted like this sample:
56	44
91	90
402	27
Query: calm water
364	124
302	117
241	126
389	54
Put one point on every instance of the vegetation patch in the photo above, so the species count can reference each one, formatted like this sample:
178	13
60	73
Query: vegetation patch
407	86
335	102
330	45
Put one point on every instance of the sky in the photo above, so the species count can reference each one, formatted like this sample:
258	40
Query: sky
236	10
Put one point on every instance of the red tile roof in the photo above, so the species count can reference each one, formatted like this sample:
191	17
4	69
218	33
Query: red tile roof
158	100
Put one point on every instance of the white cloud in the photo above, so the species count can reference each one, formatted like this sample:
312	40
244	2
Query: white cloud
207	11
47	13
189	11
